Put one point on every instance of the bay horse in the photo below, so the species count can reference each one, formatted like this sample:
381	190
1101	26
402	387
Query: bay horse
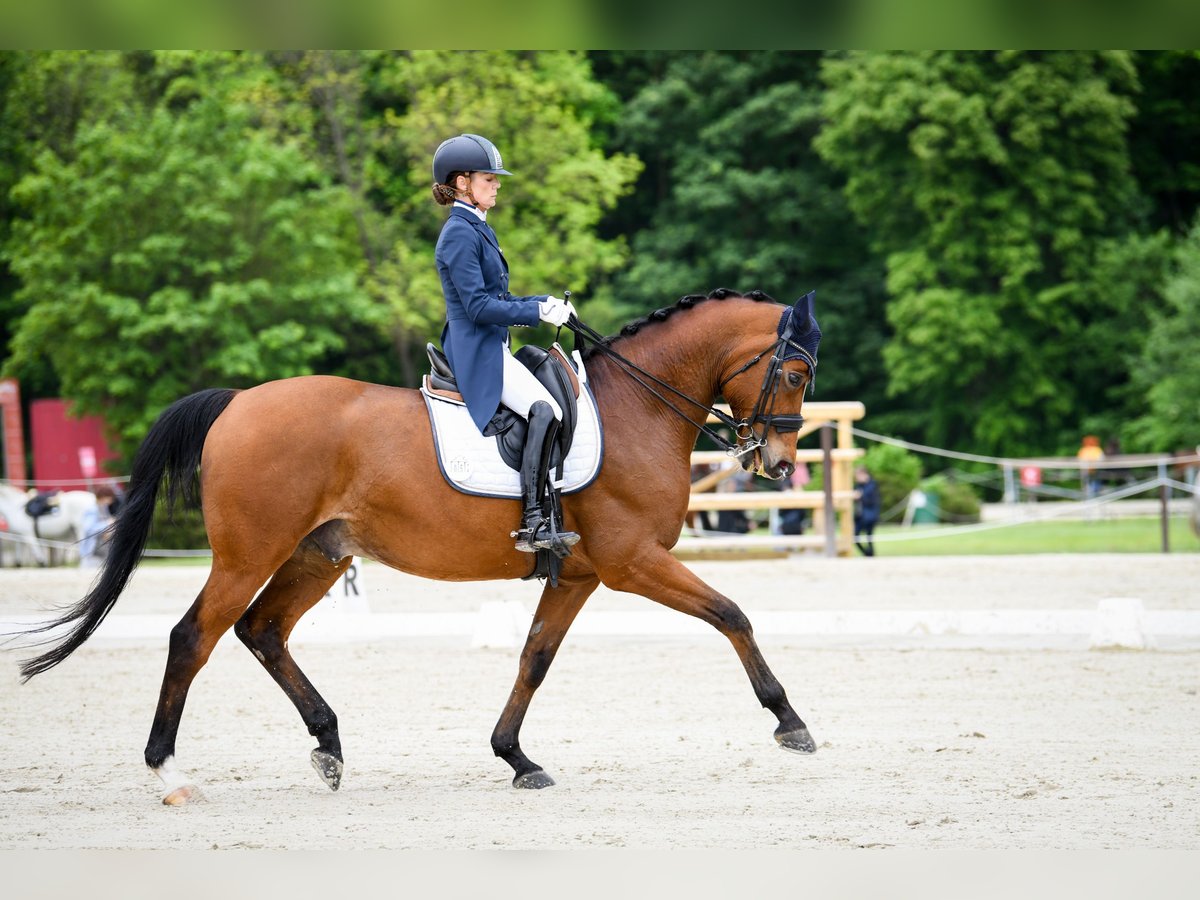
297	476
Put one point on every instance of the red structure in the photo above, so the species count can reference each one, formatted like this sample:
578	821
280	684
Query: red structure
10	427
68	453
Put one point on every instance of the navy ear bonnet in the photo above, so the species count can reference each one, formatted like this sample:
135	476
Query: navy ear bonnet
799	332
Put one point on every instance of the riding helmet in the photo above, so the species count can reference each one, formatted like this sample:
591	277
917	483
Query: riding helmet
466	153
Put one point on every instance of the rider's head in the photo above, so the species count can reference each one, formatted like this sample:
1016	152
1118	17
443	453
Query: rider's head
466	167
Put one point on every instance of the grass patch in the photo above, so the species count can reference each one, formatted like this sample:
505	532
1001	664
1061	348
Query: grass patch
1132	535
159	561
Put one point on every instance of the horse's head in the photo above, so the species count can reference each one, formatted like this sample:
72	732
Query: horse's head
766	389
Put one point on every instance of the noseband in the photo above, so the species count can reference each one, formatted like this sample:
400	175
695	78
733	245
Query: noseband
794	342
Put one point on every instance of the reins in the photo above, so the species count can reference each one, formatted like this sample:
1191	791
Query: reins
633	370
747	440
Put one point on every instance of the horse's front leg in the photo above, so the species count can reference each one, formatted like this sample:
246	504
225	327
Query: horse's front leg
555	613
665	580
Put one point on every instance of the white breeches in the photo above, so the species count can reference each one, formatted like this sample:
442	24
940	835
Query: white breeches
520	390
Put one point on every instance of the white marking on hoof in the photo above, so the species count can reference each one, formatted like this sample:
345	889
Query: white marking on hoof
182	796
178	789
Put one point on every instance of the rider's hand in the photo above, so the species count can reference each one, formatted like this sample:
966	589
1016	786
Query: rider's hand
554	311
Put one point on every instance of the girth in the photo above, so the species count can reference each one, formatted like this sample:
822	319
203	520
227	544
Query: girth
552	370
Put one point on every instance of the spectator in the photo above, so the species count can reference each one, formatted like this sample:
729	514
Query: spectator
867	506
1116	476
1089	452
93	548
792	521
734	521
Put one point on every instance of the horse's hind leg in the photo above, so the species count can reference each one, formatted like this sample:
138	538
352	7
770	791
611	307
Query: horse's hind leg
224	597
264	628
667	581
555	613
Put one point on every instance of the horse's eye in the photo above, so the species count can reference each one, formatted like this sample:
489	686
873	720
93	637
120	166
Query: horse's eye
794	379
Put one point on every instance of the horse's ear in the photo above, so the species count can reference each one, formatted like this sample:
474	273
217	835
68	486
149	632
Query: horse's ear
802	313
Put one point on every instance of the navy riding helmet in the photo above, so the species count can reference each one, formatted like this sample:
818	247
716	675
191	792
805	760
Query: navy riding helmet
466	153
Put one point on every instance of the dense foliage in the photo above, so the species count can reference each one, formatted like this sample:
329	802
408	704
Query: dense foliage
1166	374
1004	245
993	184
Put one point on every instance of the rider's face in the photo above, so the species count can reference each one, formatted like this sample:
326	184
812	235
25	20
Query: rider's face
484	186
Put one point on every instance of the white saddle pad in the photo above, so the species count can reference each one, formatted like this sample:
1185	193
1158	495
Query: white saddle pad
472	462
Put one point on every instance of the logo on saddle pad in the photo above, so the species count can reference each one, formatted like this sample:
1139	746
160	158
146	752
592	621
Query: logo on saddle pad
459	467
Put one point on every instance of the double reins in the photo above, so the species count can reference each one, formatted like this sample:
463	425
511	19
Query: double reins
747	439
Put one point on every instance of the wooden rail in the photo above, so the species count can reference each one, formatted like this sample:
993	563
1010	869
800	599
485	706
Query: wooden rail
837	504
769	500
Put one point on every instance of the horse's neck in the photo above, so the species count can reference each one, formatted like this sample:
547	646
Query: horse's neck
689	368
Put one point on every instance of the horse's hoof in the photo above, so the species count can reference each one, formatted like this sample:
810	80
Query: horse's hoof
329	767
533	781
798	741
182	796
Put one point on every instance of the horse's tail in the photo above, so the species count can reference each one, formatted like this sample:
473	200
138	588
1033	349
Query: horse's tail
171	454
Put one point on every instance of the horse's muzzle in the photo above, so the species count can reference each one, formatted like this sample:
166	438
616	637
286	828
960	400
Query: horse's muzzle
781	469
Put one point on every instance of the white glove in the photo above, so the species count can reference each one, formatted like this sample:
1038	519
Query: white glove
555	311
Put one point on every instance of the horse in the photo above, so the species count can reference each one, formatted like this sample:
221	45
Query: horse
297	476
63	523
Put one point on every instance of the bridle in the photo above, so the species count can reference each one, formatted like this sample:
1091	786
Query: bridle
786	347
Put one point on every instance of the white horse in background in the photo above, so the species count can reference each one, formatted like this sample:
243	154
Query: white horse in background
42	541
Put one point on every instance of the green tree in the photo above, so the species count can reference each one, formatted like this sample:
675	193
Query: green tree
539	109
12	165
996	184
1167	372
183	243
43	99
1164	133
733	195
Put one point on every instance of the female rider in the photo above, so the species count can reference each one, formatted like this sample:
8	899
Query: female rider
479	311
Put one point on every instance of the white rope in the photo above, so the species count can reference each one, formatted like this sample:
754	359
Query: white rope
27	483
1045	512
1061	463
30	539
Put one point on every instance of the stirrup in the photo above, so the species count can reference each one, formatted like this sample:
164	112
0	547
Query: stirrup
537	536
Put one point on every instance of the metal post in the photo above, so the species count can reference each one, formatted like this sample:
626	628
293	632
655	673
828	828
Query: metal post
827	464
1164	514
1010	484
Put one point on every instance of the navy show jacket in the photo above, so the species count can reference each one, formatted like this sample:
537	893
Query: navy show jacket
479	309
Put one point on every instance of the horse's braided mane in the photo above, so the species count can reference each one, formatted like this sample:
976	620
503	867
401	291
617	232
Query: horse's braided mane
685	302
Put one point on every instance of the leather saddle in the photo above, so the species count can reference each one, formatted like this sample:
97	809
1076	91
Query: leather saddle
551	368
41	504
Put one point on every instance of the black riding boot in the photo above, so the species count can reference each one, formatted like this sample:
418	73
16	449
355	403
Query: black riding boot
537	531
